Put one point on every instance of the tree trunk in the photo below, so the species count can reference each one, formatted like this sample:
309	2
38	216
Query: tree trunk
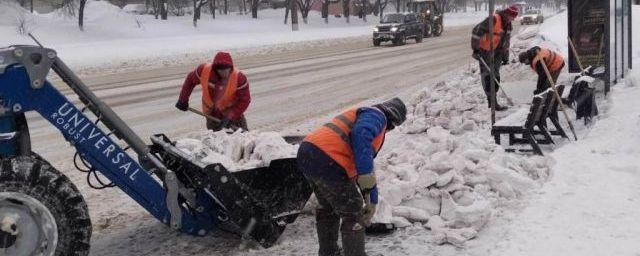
254	9
163	10
363	9
226	7
244	7
287	6
294	15
397	6
345	9
325	11
81	14
212	8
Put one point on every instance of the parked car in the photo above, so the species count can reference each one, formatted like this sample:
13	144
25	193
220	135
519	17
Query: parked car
532	16
398	27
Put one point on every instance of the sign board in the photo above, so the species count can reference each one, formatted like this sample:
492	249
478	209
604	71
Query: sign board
601	31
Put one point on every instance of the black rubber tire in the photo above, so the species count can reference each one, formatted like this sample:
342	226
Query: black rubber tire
39	180
376	42
427	30
419	38
438	29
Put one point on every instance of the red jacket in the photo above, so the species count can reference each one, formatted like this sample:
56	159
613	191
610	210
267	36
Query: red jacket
243	96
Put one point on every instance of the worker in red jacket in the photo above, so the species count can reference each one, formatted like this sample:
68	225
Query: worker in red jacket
225	93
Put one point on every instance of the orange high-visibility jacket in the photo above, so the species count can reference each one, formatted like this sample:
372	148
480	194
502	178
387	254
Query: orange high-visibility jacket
333	139
485	43
229	95
552	59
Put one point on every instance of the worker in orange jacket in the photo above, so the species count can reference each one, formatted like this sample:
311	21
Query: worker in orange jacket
538	55
481	46
337	160
225	92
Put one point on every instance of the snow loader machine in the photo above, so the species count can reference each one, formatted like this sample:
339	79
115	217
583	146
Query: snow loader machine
41	210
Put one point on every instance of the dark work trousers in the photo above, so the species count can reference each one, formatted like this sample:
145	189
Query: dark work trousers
486	76
234	125
339	198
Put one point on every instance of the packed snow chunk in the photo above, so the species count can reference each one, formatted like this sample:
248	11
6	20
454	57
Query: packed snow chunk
401	222
455	237
499	174
8	224
411	214
426	203
239	150
435	222
475	215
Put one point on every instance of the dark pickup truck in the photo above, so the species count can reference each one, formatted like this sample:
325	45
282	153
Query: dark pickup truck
398	27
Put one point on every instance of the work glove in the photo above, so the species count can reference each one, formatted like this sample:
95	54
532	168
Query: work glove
476	55
182	105
505	62
367	184
224	122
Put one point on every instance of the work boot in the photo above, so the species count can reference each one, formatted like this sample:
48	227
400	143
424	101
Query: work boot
501	108
327	226
352	237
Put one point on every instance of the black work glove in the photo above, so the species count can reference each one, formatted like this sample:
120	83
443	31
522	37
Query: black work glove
224	122
505	62
476	55
182	105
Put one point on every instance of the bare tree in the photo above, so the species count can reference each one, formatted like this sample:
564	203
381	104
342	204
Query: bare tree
226	7
160	8
379	6
81	14
254	8
177	7
345	9
197	10
325	11
294	15
286	10
212	8
305	7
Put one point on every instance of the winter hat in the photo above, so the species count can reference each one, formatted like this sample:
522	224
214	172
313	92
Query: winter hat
395	111
512	11
222	60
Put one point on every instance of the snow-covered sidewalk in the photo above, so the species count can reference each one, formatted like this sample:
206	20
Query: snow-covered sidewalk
592	204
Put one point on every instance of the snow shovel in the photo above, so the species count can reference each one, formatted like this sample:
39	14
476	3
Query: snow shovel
552	84
509	100
210	118
256	203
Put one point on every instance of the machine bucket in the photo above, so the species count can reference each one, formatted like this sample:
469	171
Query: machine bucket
260	202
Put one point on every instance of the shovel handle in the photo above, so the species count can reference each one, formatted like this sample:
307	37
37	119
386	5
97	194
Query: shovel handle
198	112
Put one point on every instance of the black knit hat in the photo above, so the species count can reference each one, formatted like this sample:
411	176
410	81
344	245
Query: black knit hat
395	111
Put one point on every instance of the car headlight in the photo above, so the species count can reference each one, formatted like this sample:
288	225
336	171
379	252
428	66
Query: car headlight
394	29
375	29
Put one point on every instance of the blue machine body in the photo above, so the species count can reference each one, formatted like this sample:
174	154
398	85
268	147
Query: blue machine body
95	147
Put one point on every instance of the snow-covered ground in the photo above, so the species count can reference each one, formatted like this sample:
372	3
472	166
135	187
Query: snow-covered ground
444	181
113	37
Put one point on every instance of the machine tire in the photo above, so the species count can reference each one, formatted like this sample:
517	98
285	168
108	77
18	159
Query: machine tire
438	29
427	30
376	42
35	179
419	38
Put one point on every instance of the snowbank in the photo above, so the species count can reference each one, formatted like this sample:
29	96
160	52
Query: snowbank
442	168
237	151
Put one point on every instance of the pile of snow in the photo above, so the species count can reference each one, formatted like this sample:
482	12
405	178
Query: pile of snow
238	151
442	168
